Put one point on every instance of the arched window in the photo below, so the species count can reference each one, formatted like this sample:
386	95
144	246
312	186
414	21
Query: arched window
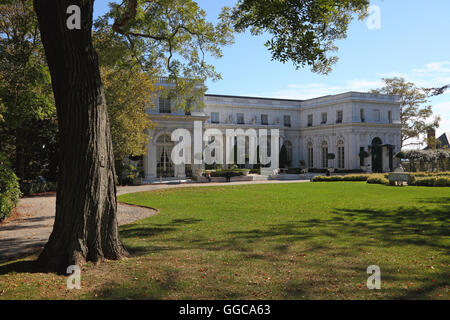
341	154
310	155
324	154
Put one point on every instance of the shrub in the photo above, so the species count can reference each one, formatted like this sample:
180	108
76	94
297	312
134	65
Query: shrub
438	181
9	190
378	179
31	187
231	172
361	177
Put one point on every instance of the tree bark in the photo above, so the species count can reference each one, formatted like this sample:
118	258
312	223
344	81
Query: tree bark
85	227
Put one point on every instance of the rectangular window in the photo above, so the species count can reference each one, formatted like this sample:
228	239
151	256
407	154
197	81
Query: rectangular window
376	115
339	116
361	159
240	118
164	105
311	157
214	117
310	120
324	118
264	119
341	158
361	112
390	116
324	157
287	121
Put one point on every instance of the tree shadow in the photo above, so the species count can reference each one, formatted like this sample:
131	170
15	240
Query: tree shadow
23	266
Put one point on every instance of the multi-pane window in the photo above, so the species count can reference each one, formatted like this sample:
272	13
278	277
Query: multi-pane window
361	113
264	119
310	120
214	117
324	118
339	116
310	155
324	155
341	155
164	105
240	118
287	121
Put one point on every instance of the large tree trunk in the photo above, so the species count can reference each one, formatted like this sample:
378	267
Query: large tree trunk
85	226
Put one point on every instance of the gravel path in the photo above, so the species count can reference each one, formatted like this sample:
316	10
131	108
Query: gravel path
28	233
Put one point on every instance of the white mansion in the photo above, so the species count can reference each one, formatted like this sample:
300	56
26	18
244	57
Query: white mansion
344	125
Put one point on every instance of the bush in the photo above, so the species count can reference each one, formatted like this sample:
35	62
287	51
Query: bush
361	177
378	179
9	190
231	172
31	187
439	181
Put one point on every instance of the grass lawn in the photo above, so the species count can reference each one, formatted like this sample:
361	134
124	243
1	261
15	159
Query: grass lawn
272	241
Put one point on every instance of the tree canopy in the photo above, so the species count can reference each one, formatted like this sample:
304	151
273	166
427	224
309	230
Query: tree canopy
416	116
303	31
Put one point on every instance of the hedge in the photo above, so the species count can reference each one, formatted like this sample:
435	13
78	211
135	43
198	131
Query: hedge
9	190
360	177
230	172
378	179
439	181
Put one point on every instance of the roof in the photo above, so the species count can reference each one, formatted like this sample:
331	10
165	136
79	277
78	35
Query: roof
445	139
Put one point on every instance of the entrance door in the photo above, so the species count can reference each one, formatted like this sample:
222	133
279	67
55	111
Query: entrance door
164	167
377	155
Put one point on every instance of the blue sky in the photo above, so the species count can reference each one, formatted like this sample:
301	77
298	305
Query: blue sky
413	42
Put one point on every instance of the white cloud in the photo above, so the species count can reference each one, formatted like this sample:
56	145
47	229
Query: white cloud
315	90
434	68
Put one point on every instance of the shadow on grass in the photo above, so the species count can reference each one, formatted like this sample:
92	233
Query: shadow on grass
339	235
23	266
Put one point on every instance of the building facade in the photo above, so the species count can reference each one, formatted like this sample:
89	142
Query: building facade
347	125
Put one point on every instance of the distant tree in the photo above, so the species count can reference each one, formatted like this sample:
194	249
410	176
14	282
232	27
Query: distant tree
416	117
25	88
